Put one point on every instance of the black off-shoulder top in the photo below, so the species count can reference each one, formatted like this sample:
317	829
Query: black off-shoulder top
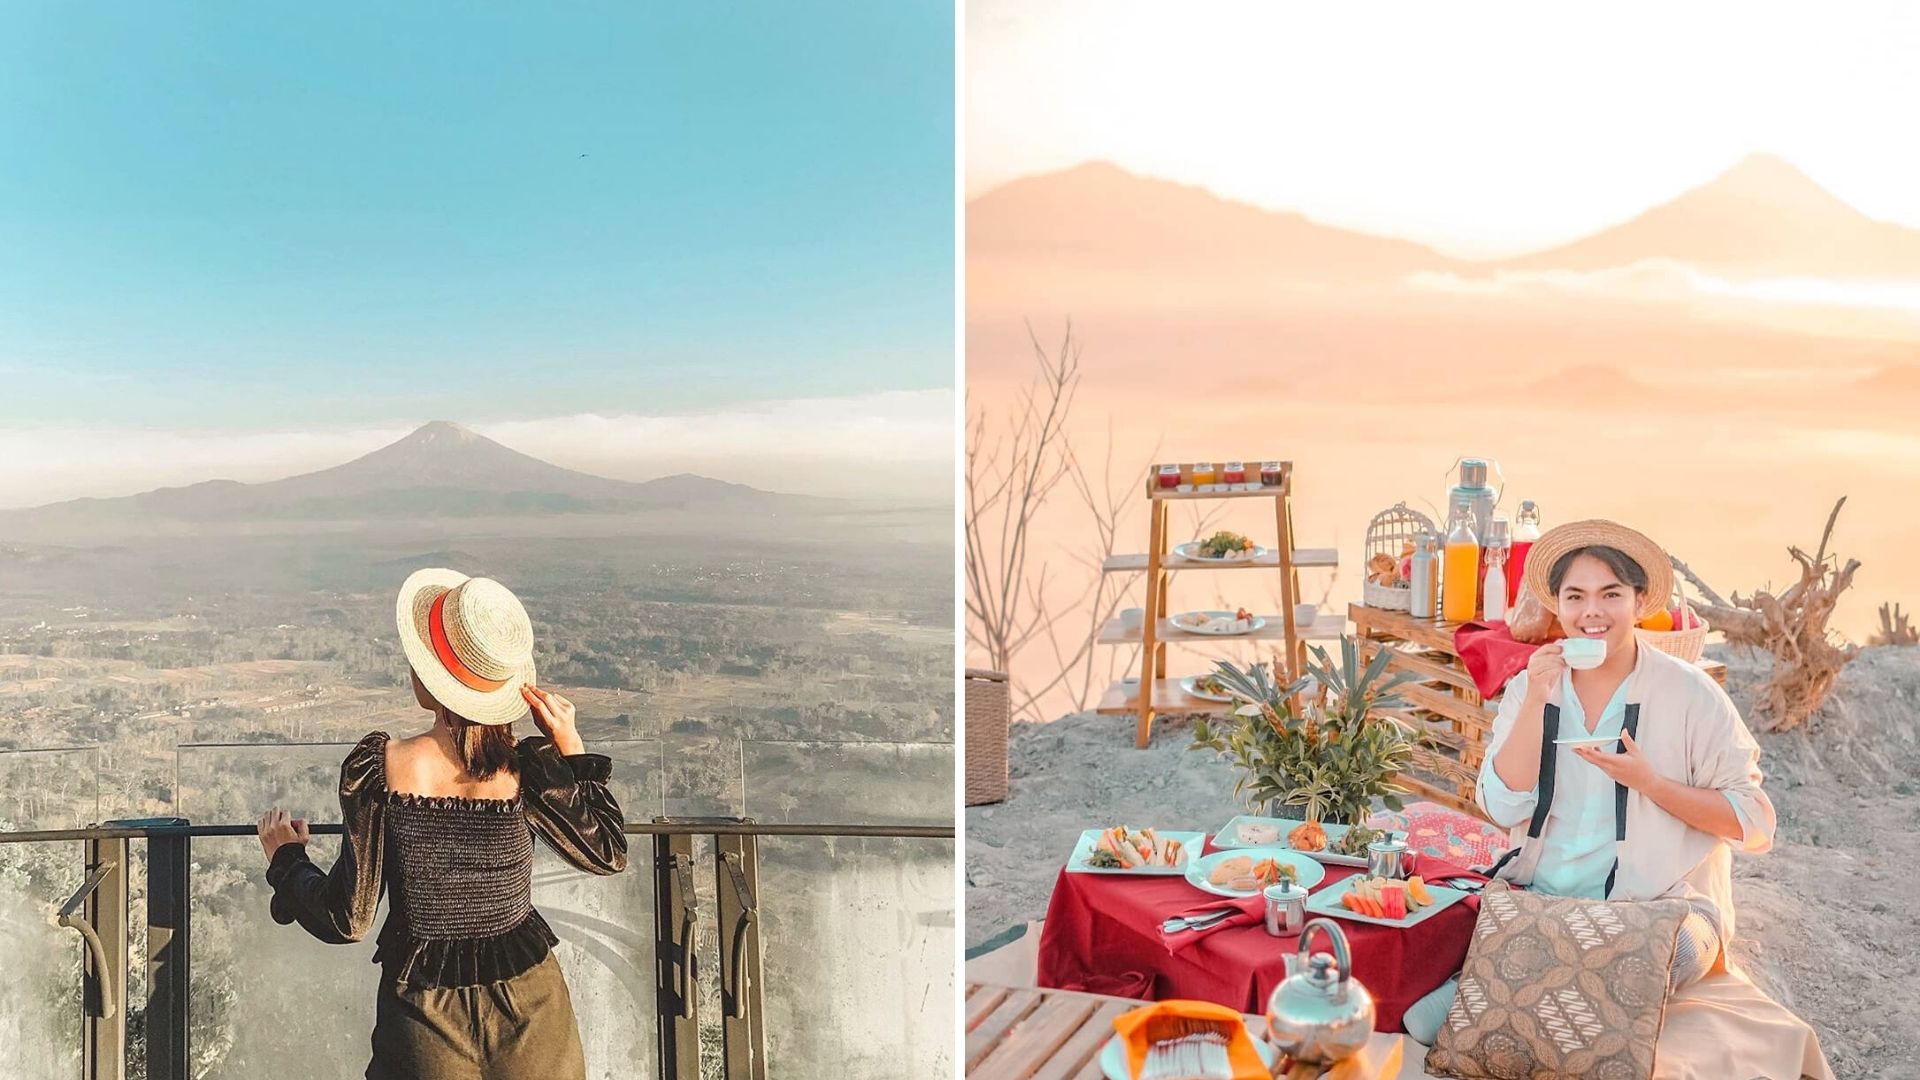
457	872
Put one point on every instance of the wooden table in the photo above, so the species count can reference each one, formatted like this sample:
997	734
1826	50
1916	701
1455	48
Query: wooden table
1037	1034
1444	702
1057	1035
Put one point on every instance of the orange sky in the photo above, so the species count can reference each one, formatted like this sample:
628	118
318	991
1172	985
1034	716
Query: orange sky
1481	129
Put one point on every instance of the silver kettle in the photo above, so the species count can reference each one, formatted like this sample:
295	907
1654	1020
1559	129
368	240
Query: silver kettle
1319	1014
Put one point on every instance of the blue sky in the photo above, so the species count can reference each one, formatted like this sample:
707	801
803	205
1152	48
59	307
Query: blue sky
231	216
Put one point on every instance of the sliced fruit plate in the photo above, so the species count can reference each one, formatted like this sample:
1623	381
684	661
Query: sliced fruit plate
1383	901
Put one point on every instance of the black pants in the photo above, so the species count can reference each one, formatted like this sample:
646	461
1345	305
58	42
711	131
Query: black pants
517	1029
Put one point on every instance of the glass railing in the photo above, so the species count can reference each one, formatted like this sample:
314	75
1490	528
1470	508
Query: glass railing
880	1004
856	931
49	789
40	1026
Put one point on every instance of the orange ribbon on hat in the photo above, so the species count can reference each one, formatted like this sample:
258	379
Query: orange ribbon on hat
1136	1030
442	648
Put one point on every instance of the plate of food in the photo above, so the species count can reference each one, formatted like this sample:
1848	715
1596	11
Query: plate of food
1221	547
1383	901
1115	1066
1218	623
1121	850
1207	688
1335	845
1243	872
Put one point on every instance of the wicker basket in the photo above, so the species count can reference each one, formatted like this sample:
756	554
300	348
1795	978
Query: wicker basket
1389	534
989	708
1685	644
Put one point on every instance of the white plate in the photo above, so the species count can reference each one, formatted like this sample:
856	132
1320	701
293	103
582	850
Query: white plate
1199	870
1193	622
1586	740
1191	552
1193	842
1113	1056
1327	902
1191	684
1229	837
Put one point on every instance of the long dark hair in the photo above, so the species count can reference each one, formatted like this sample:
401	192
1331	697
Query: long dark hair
484	749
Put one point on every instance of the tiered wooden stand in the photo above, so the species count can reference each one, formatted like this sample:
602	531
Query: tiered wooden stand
1163	694
1444	703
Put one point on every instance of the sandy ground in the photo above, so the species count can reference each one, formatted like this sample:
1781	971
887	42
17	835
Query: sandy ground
1825	920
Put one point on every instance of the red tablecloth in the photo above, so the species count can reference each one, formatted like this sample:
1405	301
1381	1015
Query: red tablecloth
1102	935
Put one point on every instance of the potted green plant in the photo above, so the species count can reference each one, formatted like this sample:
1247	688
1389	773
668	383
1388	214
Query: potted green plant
1329	752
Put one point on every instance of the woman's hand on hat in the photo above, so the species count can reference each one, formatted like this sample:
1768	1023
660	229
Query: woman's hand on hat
1629	768
276	828
553	715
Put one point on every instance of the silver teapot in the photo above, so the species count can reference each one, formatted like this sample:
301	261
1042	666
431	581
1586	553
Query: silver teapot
1319	1014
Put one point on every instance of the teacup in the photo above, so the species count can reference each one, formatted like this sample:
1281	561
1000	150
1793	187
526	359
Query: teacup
1583	653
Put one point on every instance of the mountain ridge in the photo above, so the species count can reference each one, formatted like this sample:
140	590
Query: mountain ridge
440	469
1761	216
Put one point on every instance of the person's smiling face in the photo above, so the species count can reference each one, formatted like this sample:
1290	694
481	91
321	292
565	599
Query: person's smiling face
1594	603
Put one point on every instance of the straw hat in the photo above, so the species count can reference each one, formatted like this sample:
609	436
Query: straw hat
470	642
1578	534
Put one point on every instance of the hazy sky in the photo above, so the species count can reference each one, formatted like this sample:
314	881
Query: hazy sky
1484	128
888	444
220	218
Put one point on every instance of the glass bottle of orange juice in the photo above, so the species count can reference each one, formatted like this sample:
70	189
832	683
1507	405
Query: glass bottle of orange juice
1460	576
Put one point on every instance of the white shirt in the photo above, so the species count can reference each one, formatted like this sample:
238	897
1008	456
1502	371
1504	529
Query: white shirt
1579	832
1578	838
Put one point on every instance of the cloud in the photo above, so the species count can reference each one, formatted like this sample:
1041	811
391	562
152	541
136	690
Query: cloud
1668	281
891	441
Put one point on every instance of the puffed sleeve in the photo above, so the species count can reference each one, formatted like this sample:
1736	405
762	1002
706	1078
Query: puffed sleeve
571	808
1725	757
1506	807
338	905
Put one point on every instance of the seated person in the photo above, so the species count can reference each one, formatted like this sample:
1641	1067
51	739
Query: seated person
1649	814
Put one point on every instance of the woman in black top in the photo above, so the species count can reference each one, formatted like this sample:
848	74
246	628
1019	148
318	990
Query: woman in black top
443	824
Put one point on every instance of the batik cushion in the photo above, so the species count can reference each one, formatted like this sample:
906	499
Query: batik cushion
1559	987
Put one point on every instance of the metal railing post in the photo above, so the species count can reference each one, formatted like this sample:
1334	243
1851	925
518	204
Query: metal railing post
103	1018
743	1022
169	947
676	914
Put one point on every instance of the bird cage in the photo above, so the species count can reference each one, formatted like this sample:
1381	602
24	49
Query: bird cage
1390	538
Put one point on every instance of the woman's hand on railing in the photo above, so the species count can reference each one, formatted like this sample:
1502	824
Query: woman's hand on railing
553	715
277	828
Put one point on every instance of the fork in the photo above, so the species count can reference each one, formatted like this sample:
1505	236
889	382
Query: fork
1195	922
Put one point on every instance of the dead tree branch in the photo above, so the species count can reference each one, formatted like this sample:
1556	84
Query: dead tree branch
1792	626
